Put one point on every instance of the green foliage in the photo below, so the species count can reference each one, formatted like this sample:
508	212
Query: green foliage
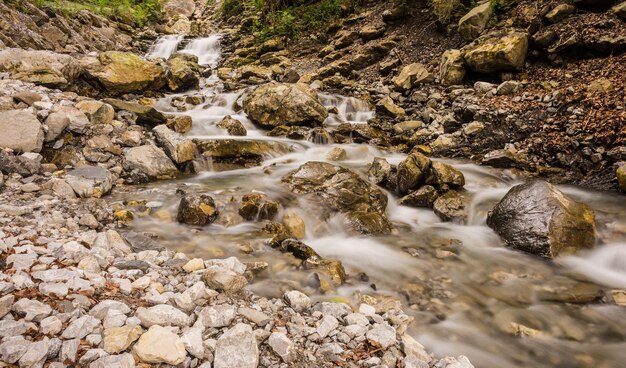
289	18
136	12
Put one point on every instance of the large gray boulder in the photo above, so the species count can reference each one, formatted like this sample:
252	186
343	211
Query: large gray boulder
46	68
20	131
537	218
275	104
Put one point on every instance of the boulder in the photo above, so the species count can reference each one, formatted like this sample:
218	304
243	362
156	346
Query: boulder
255	207
423	197
90	181
197	210
341	190
145	114
77	121
179	148
40	67
387	107
241	152
151	162
412	76
183	72
20	131
452	68
233	126
450	207
275	104
412	172
118	72
237	347
537	218
446	176
159	345
472	24
498	53
175	8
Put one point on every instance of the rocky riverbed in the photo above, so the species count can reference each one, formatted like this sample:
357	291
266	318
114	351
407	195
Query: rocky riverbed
209	197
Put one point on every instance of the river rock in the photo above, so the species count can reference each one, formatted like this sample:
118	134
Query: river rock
21	131
151	162
179	148
423	197
498	53
233	126
159	345
450	207
40	67
183	72
90	181
412	76
237	347
452	68
145	114
275	104
537	218
197	210
241	152
412	172
341	190
123	72
256	207
446	176
118	339
472	24
294	224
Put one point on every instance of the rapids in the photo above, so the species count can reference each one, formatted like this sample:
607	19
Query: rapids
468	294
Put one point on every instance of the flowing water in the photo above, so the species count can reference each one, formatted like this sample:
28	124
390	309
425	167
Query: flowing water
468	294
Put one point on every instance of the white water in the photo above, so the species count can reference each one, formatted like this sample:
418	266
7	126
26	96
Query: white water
466	287
207	49
164	47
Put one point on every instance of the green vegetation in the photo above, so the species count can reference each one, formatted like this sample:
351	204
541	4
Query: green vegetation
289	18
137	12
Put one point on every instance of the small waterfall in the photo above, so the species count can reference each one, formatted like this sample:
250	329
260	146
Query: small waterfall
207	50
164	47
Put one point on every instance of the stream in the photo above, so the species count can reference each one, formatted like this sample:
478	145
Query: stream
468	294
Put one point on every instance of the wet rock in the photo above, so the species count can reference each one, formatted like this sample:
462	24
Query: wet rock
159	345
412	172
387	107
233	126
40	67
450	207
118	339
298	249
240	152
255	207
151	162
496	54
446	176
145	114
472	24
537	218
339	189
382	173
123	72
452	68
275	104
179	148
197	210
90	181
294	224
179	123
423	197
183	72
237	347
21	131
412	76
337	154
